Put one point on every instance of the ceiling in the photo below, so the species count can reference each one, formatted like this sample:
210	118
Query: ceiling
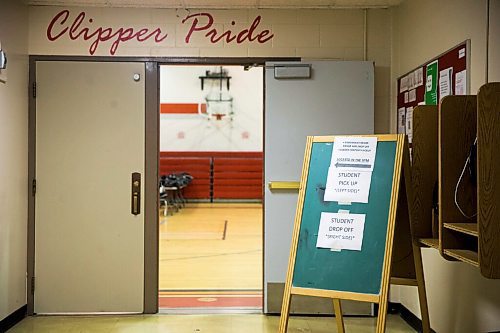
222	4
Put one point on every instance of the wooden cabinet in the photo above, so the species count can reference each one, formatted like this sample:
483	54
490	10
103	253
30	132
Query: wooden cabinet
488	172
466	226
457	189
425	175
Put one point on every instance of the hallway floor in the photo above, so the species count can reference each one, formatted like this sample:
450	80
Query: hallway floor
235	323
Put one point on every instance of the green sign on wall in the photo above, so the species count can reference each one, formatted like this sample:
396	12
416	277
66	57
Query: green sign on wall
430	97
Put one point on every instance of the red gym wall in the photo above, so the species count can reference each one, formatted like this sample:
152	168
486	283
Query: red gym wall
217	175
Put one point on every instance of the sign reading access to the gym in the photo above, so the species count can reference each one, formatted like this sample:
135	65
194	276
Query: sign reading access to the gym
341	231
350	172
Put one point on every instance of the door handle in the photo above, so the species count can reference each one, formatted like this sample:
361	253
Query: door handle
284	185
136	193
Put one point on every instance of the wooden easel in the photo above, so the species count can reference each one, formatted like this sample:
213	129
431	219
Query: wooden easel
407	271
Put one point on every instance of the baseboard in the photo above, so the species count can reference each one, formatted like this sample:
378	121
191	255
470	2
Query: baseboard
13	318
407	315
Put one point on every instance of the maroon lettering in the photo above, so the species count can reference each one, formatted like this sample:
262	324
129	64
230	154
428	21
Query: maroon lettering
101	36
248	33
212	34
142	32
228	35
123	36
158	37
75	31
81	28
126	34
261	38
194	26
64	14
76	25
244	34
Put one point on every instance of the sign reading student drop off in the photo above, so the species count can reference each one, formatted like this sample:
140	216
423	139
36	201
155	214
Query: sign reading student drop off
341	231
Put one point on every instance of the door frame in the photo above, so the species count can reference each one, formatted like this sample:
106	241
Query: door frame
152	148
150	173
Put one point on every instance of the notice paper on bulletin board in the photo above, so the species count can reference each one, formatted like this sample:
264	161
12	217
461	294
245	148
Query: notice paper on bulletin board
444	75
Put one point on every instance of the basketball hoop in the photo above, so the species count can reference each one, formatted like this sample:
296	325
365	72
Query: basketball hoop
218	101
218	116
219	105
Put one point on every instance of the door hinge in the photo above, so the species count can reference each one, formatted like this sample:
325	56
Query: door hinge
33	88
32	285
33	187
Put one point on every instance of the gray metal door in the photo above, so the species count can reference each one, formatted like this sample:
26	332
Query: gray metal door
89	241
338	98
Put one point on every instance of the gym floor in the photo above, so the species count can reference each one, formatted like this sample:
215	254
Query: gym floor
211	257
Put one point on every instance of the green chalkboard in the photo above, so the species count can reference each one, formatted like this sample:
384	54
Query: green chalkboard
349	271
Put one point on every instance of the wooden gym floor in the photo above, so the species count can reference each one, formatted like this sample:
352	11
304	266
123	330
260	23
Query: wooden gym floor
211	256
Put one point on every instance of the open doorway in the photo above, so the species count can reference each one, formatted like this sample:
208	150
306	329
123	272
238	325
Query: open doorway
211	176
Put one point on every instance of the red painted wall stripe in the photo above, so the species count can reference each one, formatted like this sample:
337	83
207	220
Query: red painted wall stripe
182	108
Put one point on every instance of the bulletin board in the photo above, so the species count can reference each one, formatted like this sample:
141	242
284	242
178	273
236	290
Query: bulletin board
451	74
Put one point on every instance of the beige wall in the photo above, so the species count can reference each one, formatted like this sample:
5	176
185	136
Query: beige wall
379	51
494	42
398	40
423	29
311	34
460	299
13	157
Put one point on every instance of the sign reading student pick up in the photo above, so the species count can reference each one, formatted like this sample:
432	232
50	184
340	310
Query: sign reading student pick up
350	172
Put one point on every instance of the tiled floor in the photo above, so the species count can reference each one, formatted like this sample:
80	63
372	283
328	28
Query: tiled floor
235	323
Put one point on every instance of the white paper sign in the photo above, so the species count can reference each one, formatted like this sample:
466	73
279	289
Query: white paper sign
403	84
445	82
341	231
412	95
411	81
409	123
461	82
354	153
420	76
348	185
461	53
401	120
